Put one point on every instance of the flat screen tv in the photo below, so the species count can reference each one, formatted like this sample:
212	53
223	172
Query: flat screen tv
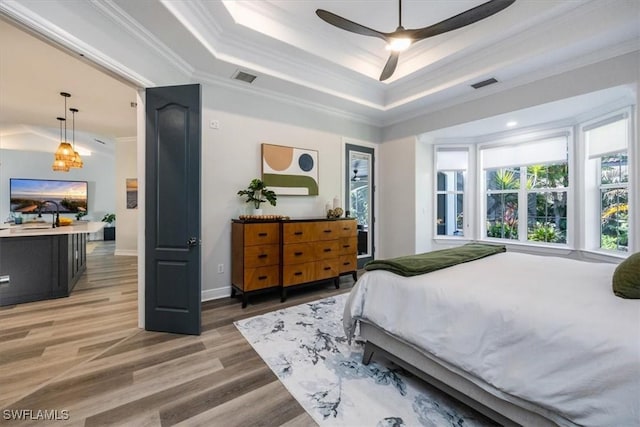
27	195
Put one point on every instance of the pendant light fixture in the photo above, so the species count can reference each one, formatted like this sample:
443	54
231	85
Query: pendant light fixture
65	150
77	160
60	165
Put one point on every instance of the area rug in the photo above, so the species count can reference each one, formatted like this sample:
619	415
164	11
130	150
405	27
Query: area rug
306	348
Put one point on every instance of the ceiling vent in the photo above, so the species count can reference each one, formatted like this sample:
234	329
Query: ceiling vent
484	83
244	77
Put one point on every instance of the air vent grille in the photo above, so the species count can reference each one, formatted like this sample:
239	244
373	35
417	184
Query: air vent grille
484	83
244	77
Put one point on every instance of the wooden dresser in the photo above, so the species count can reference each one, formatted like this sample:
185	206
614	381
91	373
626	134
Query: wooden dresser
290	253
255	254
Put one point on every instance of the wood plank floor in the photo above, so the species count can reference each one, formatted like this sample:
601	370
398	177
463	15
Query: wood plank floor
84	354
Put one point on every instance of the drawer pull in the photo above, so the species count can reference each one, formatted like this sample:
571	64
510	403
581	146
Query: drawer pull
263	256
263	234
327	249
298	233
346	246
346	263
327	268
298	273
262	277
298	253
346	228
327	231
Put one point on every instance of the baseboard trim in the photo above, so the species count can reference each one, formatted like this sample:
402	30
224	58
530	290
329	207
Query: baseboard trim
209	294
125	252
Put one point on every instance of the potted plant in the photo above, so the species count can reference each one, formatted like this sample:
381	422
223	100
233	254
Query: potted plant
258	193
109	231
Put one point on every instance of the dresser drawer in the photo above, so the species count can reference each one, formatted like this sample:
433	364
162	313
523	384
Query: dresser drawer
261	277
347	228
326	269
260	256
348	263
326	230
298	232
261	234
348	245
298	273
296	253
326	249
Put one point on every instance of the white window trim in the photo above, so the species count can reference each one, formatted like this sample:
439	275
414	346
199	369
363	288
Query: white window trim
585	229
522	225
466	202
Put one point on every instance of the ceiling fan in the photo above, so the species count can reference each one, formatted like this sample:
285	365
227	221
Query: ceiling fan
401	38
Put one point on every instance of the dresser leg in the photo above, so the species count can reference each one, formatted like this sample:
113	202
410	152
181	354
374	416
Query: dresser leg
233	292
283	295
244	300
336	282
355	276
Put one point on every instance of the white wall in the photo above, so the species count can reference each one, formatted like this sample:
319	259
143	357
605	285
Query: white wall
396	191
231	157
126	219
98	171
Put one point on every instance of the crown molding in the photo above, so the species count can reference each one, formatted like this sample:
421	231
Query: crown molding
112	11
227	40
287	99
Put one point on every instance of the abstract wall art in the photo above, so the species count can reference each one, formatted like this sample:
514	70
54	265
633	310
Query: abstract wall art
290	171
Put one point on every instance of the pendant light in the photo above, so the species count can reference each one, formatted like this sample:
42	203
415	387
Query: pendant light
77	160
65	150
60	165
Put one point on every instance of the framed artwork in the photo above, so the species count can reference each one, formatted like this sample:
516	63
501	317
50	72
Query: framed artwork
132	193
290	171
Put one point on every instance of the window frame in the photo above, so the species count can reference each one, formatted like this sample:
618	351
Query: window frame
467	182
591	227
531	138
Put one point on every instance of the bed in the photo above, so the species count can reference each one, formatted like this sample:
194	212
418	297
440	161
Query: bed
525	339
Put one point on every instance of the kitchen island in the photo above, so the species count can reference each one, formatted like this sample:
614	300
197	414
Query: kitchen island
40	262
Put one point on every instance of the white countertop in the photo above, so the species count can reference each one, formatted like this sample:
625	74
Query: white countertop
45	229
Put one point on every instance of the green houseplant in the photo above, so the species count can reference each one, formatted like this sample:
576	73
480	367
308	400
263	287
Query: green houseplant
109	232
109	218
258	193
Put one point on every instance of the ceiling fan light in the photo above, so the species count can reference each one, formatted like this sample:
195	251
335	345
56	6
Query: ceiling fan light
399	44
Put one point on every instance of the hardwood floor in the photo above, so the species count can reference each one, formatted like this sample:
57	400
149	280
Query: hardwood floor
84	354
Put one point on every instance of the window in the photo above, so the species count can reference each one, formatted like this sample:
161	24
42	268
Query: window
526	191
451	166
607	144
547	202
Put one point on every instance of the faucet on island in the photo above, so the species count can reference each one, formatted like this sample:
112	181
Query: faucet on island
56	216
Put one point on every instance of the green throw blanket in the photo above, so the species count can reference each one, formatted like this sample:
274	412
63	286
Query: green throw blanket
413	265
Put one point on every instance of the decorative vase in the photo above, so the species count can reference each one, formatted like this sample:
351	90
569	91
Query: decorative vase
257	211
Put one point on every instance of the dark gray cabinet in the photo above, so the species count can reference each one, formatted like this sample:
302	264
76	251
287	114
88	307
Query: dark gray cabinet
40	267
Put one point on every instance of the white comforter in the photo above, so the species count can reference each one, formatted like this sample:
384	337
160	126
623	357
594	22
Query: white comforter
547	330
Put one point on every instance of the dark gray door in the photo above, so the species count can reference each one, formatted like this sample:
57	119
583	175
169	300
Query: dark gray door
360	188
172	236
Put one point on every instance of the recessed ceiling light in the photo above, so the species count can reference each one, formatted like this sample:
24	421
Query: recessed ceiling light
511	124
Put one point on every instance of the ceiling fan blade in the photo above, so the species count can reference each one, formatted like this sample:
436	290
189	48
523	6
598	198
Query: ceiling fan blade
463	19
390	66
345	24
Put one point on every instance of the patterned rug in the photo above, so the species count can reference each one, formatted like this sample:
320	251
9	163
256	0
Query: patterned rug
306	348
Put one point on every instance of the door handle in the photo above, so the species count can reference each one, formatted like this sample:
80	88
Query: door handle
193	241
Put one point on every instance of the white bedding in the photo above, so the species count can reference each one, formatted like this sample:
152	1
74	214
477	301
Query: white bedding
547	330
